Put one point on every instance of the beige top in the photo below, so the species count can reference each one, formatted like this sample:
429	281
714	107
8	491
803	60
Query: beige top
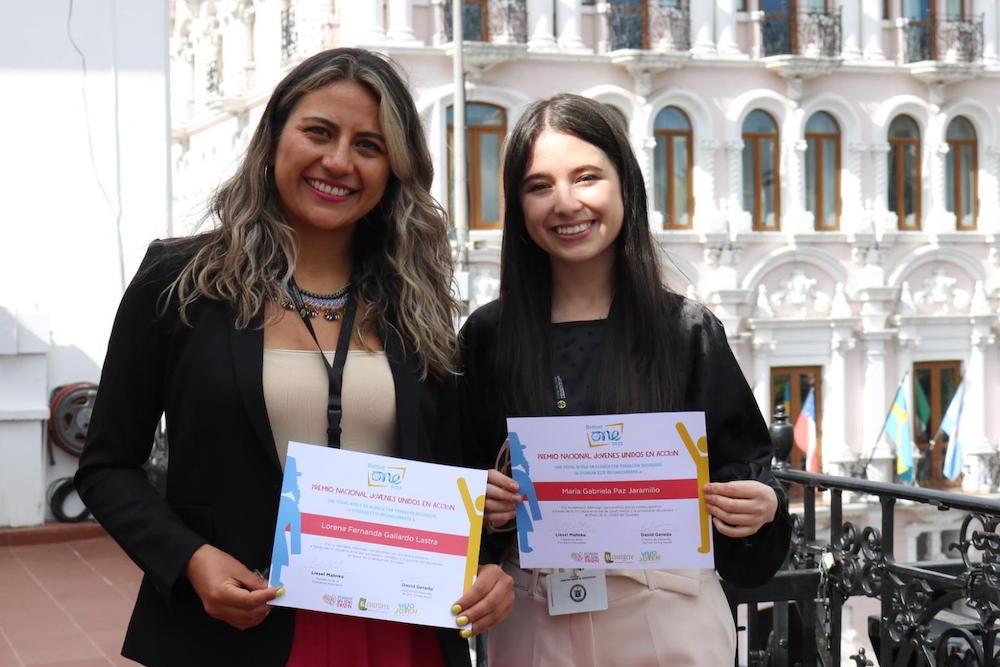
295	393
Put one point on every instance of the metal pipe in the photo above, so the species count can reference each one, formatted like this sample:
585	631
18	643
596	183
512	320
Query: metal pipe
460	205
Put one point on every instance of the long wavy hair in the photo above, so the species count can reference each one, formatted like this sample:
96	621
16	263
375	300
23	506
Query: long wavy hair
635	369
402	259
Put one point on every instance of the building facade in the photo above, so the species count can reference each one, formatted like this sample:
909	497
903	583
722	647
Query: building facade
823	174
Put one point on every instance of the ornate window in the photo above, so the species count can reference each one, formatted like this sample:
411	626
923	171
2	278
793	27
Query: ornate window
962	174
904	172
934	385
673	168
485	128
823	171
761	175
790	387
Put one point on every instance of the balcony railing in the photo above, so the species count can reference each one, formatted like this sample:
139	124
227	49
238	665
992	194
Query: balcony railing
939	613
498	21
815	34
662	28
946	40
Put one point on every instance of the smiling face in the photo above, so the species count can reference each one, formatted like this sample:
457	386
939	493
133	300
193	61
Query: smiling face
331	165
572	200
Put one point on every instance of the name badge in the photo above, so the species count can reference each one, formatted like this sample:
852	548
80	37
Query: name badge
577	592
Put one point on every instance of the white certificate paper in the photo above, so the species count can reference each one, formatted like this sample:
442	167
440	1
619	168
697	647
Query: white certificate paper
612	491
375	536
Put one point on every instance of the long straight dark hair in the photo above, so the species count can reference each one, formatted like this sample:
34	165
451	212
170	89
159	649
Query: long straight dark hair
635	373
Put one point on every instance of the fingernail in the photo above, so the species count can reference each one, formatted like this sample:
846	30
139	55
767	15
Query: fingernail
456	609
465	633
278	593
462	620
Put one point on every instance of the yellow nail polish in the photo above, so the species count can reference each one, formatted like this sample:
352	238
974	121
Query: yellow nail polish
466	633
278	593
456	609
462	620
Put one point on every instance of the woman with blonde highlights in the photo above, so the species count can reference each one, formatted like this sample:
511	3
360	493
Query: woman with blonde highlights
317	310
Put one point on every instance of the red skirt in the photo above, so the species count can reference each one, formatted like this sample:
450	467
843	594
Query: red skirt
332	640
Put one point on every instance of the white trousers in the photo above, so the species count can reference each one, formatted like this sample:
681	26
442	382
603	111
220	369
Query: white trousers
654	618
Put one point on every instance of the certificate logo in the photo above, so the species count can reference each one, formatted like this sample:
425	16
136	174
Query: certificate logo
585	556
364	604
577	593
406	609
618	558
649	556
382	477
339	601
607	434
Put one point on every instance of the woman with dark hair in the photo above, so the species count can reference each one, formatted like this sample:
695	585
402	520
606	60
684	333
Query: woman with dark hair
317	310
584	325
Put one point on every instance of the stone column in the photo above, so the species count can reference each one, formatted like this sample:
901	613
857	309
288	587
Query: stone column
702	14
738	219
884	220
837	455
989	191
725	26
762	376
540	33
359	23
795	217
871	29
851	195
706	217
568	25
972	428
988	9
876	397
401	22
851	29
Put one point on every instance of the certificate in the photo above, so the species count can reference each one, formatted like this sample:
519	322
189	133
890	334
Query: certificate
375	536
612	491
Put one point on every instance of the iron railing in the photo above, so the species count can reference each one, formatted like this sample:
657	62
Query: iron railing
812	33
946	40
661	28
504	21
937	614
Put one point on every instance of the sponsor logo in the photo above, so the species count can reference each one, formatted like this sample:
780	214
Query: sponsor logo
585	556
364	604
649	556
380	476
345	602
608	434
406	609
330	599
618	558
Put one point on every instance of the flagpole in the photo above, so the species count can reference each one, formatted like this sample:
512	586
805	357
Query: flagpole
864	469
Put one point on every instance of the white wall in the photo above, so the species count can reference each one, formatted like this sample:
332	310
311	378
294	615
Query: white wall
59	251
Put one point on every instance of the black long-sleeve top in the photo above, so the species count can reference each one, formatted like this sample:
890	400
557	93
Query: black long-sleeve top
709	380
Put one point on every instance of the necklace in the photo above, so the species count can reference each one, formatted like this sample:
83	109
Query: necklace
331	306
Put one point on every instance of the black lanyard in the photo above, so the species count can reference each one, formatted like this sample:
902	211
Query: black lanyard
335	371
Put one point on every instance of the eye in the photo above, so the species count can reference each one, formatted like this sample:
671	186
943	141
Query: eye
318	131
370	146
587	178
535	186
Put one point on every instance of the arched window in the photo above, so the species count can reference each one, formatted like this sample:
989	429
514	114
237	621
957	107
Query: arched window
761	177
672	169
904	172
485	128
823	171
962	174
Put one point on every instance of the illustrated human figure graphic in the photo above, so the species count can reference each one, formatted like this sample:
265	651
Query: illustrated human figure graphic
288	516
699	452
520	473
475	511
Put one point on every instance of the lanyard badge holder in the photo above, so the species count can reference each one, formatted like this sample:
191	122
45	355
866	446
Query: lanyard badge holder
577	592
335	371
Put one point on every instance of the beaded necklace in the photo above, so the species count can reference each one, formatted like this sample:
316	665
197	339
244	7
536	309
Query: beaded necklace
330	305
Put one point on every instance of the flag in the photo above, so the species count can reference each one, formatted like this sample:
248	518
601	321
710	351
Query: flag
898	428
922	406
951	425
805	433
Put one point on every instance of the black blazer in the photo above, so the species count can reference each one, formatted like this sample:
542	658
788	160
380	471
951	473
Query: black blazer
710	381
224	477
